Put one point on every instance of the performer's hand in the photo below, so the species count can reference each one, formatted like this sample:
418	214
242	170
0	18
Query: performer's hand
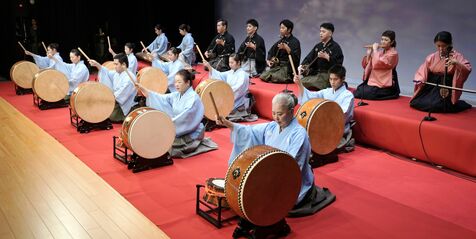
444	92
206	54
207	65
28	53
451	61
375	47
220	120
268	62
369	51
112	52
251	45
220	42
49	55
141	89
94	63
297	79
300	69
323	55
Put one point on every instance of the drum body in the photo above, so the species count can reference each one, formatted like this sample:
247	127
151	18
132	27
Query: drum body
215	189
109	65
324	122
262	184
23	72
148	132
50	85
153	79
222	93
92	101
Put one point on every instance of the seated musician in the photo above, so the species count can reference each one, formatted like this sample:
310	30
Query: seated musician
338	93
238	79
187	55
171	67
186	110
118	80
221	47
380	75
44	62
77	71
284	133
278	61
159	45
320	59
253	51
129	51
437	99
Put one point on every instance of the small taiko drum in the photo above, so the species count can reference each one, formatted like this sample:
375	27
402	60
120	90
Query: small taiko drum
214	190
92	101
153	79
222	94
109	65
148	132
262	184
324	122
50	85
23	72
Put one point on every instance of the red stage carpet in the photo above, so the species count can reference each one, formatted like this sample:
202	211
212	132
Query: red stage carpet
378	196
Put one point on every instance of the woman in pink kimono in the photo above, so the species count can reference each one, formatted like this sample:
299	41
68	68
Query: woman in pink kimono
437	99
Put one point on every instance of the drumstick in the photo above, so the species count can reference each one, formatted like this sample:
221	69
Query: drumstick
200	52
130	77
46	50
292	64
21	46
214	104
145	48
79	48
108	42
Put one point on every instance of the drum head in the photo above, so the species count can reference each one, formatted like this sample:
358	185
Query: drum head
223	95
109	65
324	122
219	182
23	72
153	79
151	134
50	85
268	186
92	101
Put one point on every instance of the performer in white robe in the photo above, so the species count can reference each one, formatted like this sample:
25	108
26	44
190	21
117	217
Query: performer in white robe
171	67
159	45
121	85
44	62
186	110
129	51
187	55
286	134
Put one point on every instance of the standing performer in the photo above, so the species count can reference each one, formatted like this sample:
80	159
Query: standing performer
444	62
187	55
186	110
171	67
129	51
320	59
77	71
252	51
380	75
119	81
221	47
278	61
159	45
286	134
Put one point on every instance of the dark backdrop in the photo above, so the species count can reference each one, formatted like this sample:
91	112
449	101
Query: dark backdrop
76	23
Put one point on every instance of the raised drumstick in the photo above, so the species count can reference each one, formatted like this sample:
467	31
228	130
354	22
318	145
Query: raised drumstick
200	52
145	48
292	64
21	46
42	43
108	42
214	104
79	48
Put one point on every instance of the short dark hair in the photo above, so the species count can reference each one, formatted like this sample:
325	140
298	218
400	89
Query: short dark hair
224	22
159	27
329	26
288	24
236	57
338	70
175	51
184	27
122	58
130	45
253	22
54	45
186	75
75	52
391	35
445	37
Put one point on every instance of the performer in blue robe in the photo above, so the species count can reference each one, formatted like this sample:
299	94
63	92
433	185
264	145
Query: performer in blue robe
159	45
44	62
129	51
171	67
187	55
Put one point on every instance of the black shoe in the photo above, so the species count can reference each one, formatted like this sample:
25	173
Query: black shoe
240	232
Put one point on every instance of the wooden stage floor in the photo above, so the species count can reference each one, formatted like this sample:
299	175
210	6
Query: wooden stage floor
47	192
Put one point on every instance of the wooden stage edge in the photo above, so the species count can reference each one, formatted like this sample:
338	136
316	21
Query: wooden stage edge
47	192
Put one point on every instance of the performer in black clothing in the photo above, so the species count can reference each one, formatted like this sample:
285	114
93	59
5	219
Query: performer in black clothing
322	57
221	47
278	61
253	51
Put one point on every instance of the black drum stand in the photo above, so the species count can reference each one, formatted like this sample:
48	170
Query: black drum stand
213	214
85	127
44	105
22	91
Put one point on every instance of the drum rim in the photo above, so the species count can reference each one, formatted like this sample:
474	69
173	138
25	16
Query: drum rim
14	67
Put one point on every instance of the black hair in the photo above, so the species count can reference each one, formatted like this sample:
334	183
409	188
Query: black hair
175	51
391	35
54	46
130	45
445	37
122	58
184	27
75	52
329	26
338	70
288	24
253	22
186	75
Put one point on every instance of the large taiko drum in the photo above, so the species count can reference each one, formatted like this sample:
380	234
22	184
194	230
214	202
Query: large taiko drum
148	132
50	85
262	184
92	101
109	65
22	73
324	122
222	93
153	79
